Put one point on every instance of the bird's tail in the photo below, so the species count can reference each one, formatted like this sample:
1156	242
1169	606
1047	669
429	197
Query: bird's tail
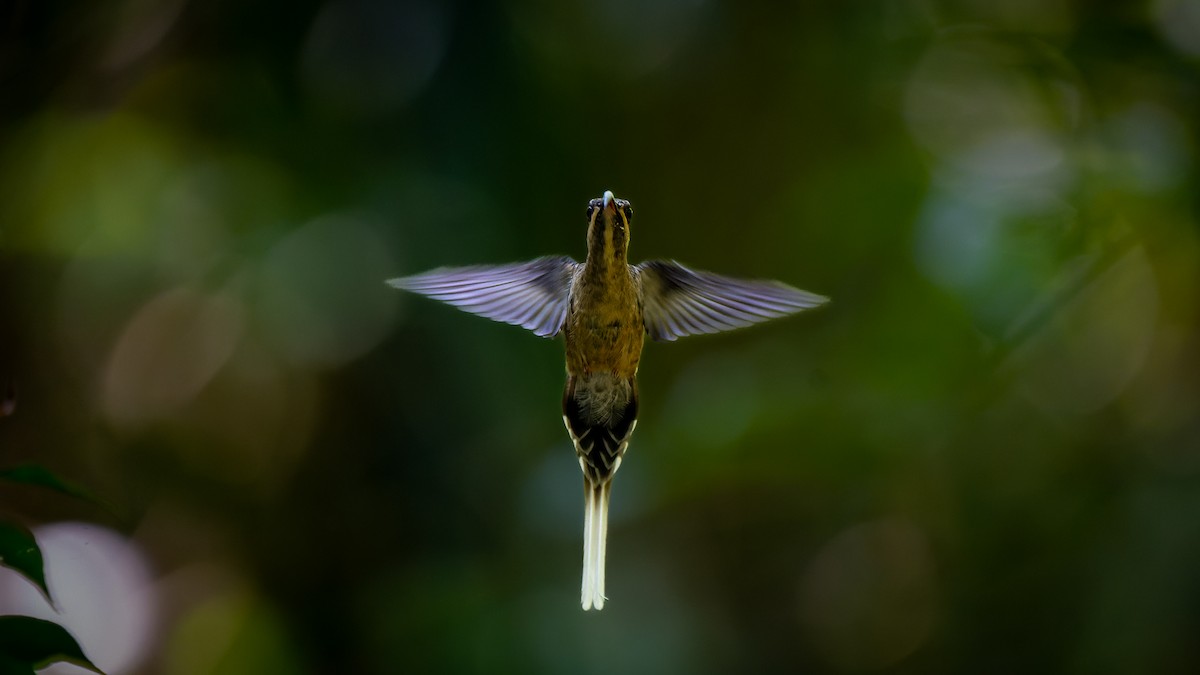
600	412
595	535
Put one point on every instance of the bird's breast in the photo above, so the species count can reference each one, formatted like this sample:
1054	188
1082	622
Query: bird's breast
604	332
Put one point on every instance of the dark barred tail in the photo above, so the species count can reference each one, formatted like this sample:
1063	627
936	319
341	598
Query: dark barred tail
600	423
600	416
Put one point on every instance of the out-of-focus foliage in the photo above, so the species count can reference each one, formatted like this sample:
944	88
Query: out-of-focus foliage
982	456
19	551
27	644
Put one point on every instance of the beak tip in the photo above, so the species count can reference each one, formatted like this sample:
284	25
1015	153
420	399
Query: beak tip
609	201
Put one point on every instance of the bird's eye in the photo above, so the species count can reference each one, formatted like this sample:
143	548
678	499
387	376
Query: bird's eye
591	210
628	211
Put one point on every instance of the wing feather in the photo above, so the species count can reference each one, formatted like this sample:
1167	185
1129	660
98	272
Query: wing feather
678	301
532	294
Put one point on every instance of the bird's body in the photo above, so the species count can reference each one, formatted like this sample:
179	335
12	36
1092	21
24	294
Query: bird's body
603	333
603	308
603	329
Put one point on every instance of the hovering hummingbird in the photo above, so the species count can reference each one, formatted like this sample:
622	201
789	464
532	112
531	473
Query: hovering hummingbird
603	307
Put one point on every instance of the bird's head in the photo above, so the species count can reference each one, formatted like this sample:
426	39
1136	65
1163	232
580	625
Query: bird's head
608	226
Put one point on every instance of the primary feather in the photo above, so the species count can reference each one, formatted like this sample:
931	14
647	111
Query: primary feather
678	301
532	294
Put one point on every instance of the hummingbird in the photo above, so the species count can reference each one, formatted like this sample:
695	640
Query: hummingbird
603	308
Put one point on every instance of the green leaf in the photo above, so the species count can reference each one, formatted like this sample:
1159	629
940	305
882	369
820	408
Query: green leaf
19	550
33	474
39	476
38	643
10	666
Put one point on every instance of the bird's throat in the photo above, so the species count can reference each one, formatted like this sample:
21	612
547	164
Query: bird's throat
607	252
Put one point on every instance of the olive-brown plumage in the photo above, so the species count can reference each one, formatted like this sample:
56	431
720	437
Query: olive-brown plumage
604	307
603	333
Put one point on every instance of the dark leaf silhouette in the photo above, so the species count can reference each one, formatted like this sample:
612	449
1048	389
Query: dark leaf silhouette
20	551
27	644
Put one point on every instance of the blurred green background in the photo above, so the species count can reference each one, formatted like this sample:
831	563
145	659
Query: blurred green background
983	456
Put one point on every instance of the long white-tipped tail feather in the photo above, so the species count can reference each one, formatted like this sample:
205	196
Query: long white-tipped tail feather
595	535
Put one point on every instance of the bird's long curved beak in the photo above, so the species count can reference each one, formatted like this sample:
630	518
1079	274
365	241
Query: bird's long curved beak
609	202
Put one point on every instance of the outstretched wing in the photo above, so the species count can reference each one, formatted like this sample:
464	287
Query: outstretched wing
532	294
677	301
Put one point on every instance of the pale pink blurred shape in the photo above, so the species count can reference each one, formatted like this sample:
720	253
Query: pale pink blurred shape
869	597
103	589
167	353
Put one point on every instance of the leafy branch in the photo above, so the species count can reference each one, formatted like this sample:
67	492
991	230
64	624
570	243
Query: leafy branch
26	643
